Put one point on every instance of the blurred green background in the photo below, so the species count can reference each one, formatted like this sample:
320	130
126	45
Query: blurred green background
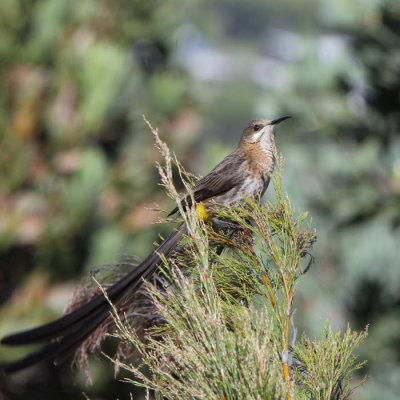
77	163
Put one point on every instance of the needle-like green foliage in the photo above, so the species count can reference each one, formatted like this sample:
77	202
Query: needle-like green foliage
327	364
229	331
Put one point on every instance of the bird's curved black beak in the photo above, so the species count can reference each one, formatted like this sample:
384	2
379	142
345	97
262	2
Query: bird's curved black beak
279	120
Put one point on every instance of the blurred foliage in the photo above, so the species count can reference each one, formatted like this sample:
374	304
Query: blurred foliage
77	171
75	160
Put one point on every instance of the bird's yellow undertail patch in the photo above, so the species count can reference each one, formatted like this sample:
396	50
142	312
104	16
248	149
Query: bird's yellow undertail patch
202	212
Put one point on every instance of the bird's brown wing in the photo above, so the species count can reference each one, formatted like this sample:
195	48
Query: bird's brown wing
225	176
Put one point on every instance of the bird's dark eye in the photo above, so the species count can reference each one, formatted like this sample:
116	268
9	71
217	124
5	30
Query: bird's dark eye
257	127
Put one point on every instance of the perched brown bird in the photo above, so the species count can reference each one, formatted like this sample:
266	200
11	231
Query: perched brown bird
244	173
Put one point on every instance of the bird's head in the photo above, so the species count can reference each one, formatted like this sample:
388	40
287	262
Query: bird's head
260	131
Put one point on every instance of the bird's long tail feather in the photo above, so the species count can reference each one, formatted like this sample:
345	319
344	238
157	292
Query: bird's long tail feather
73	328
